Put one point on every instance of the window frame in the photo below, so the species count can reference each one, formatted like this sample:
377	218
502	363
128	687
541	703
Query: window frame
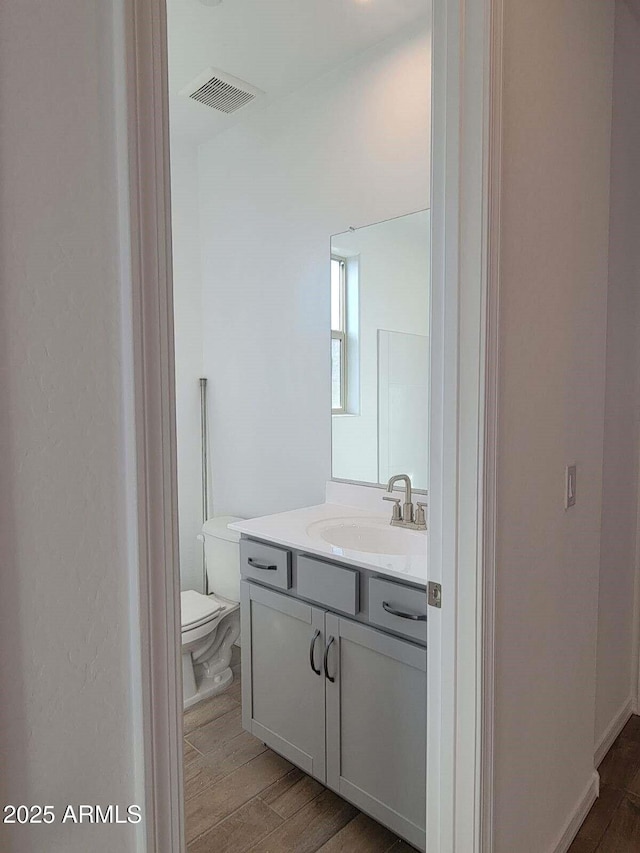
341	335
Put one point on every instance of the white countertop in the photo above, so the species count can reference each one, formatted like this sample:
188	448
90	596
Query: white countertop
290	529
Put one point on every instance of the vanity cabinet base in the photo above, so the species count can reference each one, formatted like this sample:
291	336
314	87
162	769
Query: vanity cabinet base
343	701
283	697
376	725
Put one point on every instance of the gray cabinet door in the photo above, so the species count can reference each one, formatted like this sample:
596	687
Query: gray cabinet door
376	725
283	688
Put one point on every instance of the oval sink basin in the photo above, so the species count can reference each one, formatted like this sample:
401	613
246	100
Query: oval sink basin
368	536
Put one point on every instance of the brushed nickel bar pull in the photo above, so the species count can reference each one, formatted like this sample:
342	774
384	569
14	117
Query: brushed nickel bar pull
312	649
403	614
326	660
262	566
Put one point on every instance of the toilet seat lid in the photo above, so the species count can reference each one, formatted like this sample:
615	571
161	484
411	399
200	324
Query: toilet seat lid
196	609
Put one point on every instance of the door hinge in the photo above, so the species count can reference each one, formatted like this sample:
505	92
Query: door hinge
434	594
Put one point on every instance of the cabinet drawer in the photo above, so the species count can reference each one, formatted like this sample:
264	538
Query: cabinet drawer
333	586
387	596
265	563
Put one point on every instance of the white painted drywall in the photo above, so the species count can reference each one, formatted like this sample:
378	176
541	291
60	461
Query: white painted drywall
187	303
555	218
66	667
393	285
349	149
403	407
277	46
620	483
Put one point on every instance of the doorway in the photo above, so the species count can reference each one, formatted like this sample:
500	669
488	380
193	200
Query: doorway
445	736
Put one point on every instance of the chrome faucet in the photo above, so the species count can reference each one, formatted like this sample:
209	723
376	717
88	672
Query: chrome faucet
405	517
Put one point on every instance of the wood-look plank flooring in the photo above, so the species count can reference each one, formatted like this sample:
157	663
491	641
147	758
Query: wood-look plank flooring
613	824
240	796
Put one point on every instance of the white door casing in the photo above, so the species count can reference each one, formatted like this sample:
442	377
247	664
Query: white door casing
466	129
158	623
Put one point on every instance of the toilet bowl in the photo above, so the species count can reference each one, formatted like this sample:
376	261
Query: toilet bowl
211	623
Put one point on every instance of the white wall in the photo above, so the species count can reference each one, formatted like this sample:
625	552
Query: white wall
66	733
620	484
393	295
350	149
557	125
187	303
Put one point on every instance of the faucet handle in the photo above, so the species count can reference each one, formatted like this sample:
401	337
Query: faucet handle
397	512
420	518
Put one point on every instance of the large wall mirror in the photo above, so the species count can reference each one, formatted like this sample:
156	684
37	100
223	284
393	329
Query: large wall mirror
380	350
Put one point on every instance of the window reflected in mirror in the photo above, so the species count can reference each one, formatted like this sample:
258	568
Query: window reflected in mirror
338	336
380	350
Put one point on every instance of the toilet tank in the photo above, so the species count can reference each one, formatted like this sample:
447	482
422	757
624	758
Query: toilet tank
222	555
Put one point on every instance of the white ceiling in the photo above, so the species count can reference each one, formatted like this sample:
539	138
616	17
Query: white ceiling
276	45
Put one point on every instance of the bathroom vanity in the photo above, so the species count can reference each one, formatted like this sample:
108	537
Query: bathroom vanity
334	657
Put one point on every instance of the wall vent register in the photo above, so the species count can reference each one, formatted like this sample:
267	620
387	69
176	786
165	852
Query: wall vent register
221	91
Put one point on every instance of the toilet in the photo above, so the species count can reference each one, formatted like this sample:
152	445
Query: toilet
211	623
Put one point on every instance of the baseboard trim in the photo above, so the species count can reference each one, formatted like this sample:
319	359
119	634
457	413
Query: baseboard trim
580	812
613	730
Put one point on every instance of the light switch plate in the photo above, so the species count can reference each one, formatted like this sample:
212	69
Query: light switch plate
570	486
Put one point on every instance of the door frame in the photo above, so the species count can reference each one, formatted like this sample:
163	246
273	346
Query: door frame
466	178
467	48
154	410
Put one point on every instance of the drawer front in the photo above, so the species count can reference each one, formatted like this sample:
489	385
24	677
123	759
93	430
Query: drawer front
333	586
387	596
265	563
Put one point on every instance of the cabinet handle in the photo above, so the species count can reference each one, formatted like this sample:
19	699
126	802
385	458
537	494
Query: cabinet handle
263	566
312	649
326	660
403	614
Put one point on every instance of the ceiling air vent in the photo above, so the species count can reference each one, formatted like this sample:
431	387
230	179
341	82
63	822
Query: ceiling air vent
220	91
